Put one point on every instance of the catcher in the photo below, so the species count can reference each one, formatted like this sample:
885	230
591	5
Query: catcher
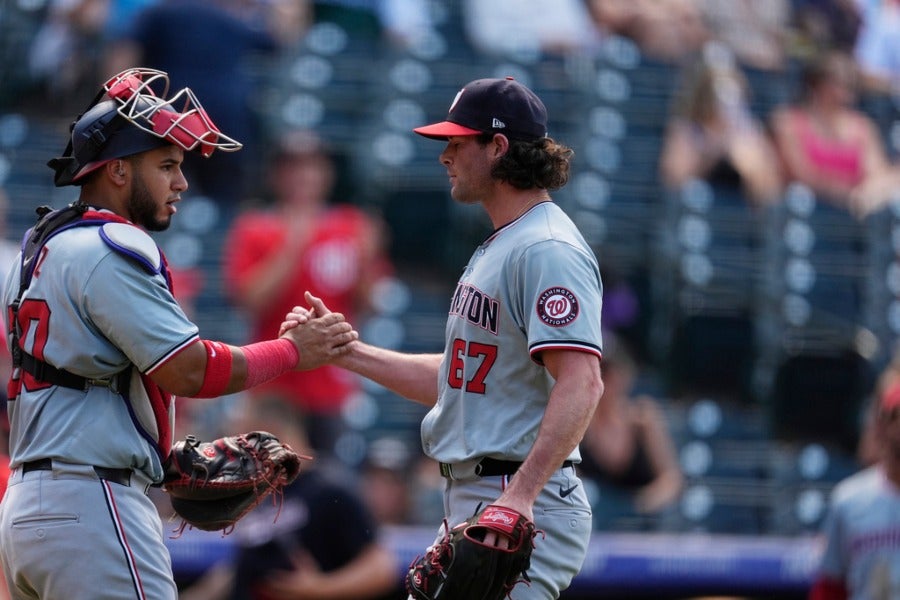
100	346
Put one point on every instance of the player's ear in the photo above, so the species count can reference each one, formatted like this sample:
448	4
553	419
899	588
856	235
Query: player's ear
499	145
117	171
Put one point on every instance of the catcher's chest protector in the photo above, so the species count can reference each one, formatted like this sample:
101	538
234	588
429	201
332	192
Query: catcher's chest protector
126	239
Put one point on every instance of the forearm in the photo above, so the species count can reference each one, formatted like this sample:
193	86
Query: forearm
207	368
371	575
572	403
413	376
681	162
660	492
753	159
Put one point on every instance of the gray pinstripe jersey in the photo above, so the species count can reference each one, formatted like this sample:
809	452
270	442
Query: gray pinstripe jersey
93	311
533	285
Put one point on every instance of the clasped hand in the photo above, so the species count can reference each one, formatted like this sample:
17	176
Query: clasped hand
319	334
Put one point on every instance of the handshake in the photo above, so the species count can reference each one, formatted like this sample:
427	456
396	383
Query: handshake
321	336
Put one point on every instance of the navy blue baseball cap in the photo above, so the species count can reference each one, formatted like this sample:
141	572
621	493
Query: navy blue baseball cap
492	106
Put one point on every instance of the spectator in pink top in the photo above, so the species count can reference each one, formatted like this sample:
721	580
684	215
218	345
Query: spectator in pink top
827	143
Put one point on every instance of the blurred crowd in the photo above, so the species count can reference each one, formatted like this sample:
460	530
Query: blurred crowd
836	50
294	223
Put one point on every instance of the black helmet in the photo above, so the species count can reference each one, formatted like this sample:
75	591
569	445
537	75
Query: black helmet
135	118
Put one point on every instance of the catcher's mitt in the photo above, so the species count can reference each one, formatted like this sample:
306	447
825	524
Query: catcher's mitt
461	567
213	484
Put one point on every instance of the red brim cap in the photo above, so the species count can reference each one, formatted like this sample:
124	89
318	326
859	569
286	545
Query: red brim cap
445	129
890	399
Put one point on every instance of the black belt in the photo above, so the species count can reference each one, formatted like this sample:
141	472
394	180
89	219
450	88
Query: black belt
491	467
120	476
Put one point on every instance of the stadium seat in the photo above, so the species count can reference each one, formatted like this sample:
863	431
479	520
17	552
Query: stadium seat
706	271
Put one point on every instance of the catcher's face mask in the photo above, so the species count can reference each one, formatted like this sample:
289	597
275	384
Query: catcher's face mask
130	115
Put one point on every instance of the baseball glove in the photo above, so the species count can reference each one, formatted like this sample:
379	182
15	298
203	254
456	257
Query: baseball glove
214	484
461	567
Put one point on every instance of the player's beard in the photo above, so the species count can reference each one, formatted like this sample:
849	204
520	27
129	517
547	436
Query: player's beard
143	208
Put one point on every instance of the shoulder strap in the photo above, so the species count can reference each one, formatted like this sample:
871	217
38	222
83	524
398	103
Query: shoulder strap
50	222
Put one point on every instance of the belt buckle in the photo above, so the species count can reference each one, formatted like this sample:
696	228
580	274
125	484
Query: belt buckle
112	383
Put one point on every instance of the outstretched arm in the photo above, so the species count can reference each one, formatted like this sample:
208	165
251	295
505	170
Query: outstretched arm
413	376
207	369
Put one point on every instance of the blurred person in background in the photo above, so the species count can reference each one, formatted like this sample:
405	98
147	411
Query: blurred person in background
4	478
67	51
305	240
713	136
828	144
213	45
320	542
628	451
861	559
387	476
868	450
877	49
391	23
670	31
9	249
756	31
8	252
507	27
819	25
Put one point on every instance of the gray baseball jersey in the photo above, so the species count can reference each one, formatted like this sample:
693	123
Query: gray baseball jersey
533	285
98	303
863	536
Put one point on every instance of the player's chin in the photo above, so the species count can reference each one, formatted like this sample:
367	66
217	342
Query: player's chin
159	224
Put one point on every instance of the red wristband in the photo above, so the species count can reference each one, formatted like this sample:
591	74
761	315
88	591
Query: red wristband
218	370
268	360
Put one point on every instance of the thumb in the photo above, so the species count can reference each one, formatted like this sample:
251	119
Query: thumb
317	305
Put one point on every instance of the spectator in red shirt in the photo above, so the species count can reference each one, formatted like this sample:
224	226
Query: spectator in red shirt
303	242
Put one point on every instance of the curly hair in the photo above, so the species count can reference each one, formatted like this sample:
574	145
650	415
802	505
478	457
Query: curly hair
541	163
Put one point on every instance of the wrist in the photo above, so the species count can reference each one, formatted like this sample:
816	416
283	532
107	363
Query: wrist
217	375
269	359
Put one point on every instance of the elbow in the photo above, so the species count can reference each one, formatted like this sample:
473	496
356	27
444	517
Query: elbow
188	386
596	389
184	373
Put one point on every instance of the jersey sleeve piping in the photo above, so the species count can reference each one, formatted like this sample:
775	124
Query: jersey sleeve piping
536	349
171	354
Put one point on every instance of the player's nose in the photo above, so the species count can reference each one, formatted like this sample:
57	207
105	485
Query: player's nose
180	183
